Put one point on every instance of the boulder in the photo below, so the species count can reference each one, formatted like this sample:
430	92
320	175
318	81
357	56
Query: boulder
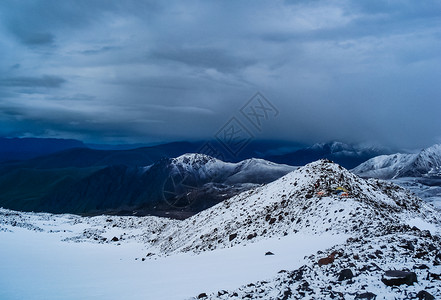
345	274
395	277
367	295
232	236
423	295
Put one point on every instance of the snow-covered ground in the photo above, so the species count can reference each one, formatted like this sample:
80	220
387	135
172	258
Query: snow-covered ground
43	258
429	193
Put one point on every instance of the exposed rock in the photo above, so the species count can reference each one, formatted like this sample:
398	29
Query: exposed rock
345	274
423	295
421	267
394	277
367	295
202	295
232	236
115	239
251	236
269	253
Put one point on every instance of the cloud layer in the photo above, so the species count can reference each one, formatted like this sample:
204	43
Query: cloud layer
141	71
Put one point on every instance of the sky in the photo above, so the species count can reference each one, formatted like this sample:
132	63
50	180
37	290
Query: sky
156	71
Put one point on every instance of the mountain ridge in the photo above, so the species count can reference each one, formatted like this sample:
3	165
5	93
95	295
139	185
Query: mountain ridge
426	163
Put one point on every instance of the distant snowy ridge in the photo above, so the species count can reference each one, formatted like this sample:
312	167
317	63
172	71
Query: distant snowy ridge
205	167
425	163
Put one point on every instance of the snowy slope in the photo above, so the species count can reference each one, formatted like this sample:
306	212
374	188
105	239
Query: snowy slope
425	163
366	260
67	257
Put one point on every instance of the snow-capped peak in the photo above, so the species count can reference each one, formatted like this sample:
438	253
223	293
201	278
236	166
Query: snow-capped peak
425	163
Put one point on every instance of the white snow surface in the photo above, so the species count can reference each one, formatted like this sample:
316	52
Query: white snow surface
45	256
49	257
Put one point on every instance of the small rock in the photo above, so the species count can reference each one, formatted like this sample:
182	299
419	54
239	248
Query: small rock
232	236
394	277
423	295
345	274
431	247
269	253
202	295
115	239
421	267
408	246
367	295
379	253
251	236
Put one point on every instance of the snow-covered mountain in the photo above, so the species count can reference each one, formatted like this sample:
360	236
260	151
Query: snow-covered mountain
374	239
186	184
209	169
426	163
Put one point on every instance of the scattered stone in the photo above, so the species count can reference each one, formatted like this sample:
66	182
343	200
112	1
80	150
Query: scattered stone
367	295
423	295
345	274
251	236
202	295
232	236
379	253
286	294
421	267
115	239
394	277
435	276
269	253
408	246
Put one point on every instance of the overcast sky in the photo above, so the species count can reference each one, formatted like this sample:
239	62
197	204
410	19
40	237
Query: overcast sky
142	71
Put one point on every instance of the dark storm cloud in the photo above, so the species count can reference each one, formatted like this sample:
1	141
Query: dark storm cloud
35	38
42	81
218	59
150	70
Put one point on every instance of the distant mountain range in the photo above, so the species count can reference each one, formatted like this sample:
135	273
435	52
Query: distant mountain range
59	153
26	148
176	187
426	163
81	180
